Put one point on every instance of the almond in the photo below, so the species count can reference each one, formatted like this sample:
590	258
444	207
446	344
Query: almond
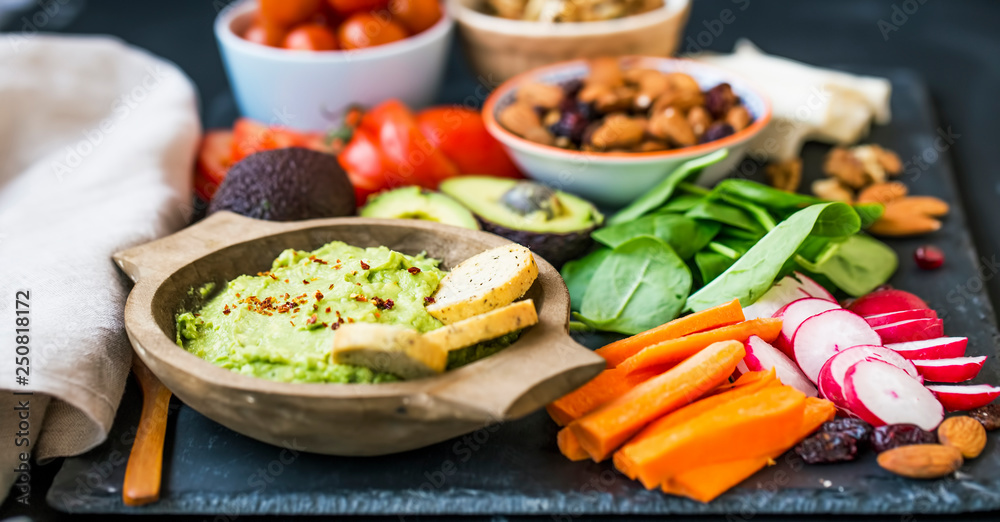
882	193
922	461
964	434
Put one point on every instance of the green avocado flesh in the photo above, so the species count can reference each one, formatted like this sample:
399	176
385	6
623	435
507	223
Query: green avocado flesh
416	203
279	325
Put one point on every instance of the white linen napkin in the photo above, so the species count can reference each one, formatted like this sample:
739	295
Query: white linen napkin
97	140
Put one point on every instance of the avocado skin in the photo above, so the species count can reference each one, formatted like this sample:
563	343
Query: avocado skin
289	184
557	249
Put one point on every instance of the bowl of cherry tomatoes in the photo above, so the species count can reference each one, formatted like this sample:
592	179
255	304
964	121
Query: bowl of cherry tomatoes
303	63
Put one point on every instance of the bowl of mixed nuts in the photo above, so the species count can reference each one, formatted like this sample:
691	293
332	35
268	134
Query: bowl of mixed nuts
609	129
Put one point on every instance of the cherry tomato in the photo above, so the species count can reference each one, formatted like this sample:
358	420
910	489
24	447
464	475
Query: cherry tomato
251	136
412	158
461	135
363	30
289	12
415	15
213	161
310	37
348	7
264	32
366	166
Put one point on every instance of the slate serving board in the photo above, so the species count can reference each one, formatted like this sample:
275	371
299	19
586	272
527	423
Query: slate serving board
516	468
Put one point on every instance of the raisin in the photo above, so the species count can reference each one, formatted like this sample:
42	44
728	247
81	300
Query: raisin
716	131
856	428
571	125
571	88
825	447
988	416
719	99
885	438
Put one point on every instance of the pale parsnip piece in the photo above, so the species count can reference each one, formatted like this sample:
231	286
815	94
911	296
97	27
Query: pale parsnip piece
484	282
483	327
387	348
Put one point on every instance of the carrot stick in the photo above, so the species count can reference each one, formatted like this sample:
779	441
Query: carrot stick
601	431
705	483
609	384
746	379
752	426
569	445
722	315
675	350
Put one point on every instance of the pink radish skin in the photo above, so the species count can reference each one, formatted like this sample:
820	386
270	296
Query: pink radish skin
831	377
895	317
761	356
941	348
822	336
964	398
911	330
881	394
792	315
883	301
782	293
959	369
813	288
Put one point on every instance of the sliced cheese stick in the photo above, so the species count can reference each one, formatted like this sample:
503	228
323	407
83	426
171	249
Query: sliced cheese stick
387	348
484	327
484	282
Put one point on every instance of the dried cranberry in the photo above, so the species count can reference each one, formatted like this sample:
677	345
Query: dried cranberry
885	438
719	99
988	416
929	257
570	125
856	428
826	447
571	88
716	131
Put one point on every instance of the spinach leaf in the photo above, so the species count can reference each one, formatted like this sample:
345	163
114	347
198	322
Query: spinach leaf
680	204
869	212
856	264
686	236
751	275
726	214
711	264
659	194
640	285
579	272
759	213
781	202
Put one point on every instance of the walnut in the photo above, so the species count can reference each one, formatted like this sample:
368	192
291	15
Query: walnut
540	95
861	165
521	119
785	175
840	163
618	131
888	160
671	125
699	119
738	118
832	190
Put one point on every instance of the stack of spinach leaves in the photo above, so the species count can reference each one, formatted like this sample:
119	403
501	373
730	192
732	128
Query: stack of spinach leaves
682	247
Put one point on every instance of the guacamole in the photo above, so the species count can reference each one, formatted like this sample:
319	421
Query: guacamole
280	324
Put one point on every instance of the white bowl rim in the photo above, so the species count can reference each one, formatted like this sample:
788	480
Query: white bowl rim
228	38
523	145
486	22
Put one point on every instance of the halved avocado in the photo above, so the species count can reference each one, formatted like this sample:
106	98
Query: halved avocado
552	223
417	203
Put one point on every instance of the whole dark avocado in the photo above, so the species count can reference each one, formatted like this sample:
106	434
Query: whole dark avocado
286	185
553	224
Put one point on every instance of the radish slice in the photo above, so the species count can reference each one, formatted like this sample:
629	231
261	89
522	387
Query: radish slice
831	377
813	288
895	317
762	356
782	293
940	348
883	301
964	398
881	394
958	369
911	330
821	336
792	315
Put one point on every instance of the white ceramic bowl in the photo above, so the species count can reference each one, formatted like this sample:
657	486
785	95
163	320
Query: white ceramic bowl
614	179
310	90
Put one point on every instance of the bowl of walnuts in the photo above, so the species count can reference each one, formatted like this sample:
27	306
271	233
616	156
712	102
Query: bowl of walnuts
609	129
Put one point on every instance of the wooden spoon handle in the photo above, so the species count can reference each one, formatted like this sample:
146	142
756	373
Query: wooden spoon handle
145	462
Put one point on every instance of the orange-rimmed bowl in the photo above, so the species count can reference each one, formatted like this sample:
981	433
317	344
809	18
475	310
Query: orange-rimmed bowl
616	178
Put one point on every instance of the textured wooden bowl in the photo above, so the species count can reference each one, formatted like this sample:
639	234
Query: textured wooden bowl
499	49
343	419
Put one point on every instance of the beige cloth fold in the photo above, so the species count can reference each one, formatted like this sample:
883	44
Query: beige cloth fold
97	140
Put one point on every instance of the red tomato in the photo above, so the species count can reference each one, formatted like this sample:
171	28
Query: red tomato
213	161
413	159
310	37
415	15
461	135
289	12
347	7
362	30
251	136
366	166
264	32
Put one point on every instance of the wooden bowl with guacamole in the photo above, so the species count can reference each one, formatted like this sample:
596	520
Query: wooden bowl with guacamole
349	413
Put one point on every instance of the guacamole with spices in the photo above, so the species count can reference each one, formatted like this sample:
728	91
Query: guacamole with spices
280	324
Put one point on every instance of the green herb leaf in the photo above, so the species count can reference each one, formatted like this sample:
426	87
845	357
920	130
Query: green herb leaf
686	236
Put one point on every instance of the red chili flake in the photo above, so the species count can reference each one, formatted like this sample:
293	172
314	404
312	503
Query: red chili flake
364	266
237	295
296	310
377	315
413	270
382	304
331	287
312	319
354	272
305	281
428	300
319	295
290	321
286	280
350	319
273	276
336	267
334	326
225	311
328	309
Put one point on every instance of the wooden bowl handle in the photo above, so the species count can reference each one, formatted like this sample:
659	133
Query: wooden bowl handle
145	463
